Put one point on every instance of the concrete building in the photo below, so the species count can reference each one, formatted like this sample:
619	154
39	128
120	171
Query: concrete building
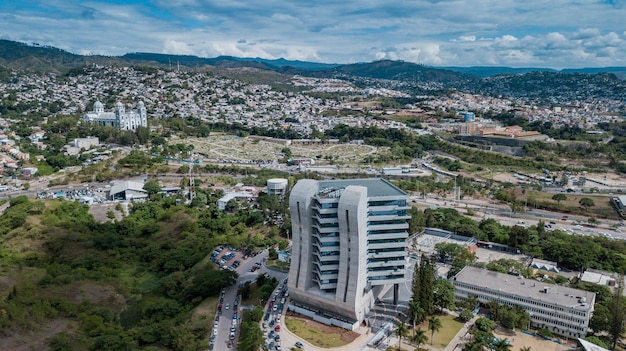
562	310
128	190
86	143
277	186
349	245
223	201
119	117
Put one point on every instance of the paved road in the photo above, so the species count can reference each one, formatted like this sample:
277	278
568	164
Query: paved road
225	320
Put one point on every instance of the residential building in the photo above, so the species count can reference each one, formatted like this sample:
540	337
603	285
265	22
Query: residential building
562	310
349	244
119	117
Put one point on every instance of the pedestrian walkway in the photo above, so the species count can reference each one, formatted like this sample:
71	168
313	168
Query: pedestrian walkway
460	338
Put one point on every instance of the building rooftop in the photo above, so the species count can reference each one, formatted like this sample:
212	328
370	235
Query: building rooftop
520	286
597	277
375	186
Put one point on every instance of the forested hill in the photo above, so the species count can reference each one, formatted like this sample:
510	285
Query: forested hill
554	85
404	71
567	85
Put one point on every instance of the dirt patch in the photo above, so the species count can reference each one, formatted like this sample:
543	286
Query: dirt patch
520	340
96	293
34	340
346	336
100	211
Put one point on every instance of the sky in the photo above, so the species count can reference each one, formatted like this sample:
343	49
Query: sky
515	33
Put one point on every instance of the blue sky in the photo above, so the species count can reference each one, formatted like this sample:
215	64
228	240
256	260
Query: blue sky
515	33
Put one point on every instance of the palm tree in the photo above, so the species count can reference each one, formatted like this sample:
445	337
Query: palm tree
434	324
474	346
416	313
419	337
527	348
401	332
502	345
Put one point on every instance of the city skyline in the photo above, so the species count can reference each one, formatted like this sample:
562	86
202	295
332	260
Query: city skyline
561	34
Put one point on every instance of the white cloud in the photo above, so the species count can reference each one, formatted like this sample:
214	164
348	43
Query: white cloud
466	38
462	33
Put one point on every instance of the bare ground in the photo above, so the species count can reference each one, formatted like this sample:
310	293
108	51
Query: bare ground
34	340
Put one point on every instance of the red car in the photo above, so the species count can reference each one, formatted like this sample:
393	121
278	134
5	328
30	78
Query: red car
277	329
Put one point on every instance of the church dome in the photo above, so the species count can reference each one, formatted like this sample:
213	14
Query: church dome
98	106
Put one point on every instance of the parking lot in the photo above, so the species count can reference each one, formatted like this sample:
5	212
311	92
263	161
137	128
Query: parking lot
273	318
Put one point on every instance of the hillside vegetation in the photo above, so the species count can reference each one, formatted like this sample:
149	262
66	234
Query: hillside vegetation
72	283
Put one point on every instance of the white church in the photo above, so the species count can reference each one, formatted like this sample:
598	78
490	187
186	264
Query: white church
118	118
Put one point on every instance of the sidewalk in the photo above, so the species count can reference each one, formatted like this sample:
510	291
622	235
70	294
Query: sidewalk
459	338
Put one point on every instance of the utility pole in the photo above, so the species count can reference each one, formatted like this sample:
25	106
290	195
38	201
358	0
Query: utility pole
192	193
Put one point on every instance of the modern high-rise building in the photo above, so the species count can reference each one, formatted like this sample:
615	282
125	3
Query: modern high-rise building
349	244
119	117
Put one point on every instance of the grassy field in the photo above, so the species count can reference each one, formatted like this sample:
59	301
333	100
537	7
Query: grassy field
449	328
322	338
283	266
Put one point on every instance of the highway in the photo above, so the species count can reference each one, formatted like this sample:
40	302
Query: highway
503	214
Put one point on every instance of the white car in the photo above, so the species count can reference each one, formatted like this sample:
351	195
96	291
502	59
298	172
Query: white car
214	331
227	306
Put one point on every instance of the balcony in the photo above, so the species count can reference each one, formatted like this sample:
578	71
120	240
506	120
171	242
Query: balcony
326	266
396	235
388	245
386	273
399	226
386	254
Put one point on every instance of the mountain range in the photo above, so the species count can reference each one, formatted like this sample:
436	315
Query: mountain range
608	81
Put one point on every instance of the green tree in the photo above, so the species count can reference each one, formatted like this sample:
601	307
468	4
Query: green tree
402	332
485	324
466	315
427	285
434	324
415	312
443	294
559	197
586	202
419	337
502	345
617	312
273	254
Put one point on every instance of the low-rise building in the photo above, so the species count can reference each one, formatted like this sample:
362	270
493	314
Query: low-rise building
128	190
562	310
